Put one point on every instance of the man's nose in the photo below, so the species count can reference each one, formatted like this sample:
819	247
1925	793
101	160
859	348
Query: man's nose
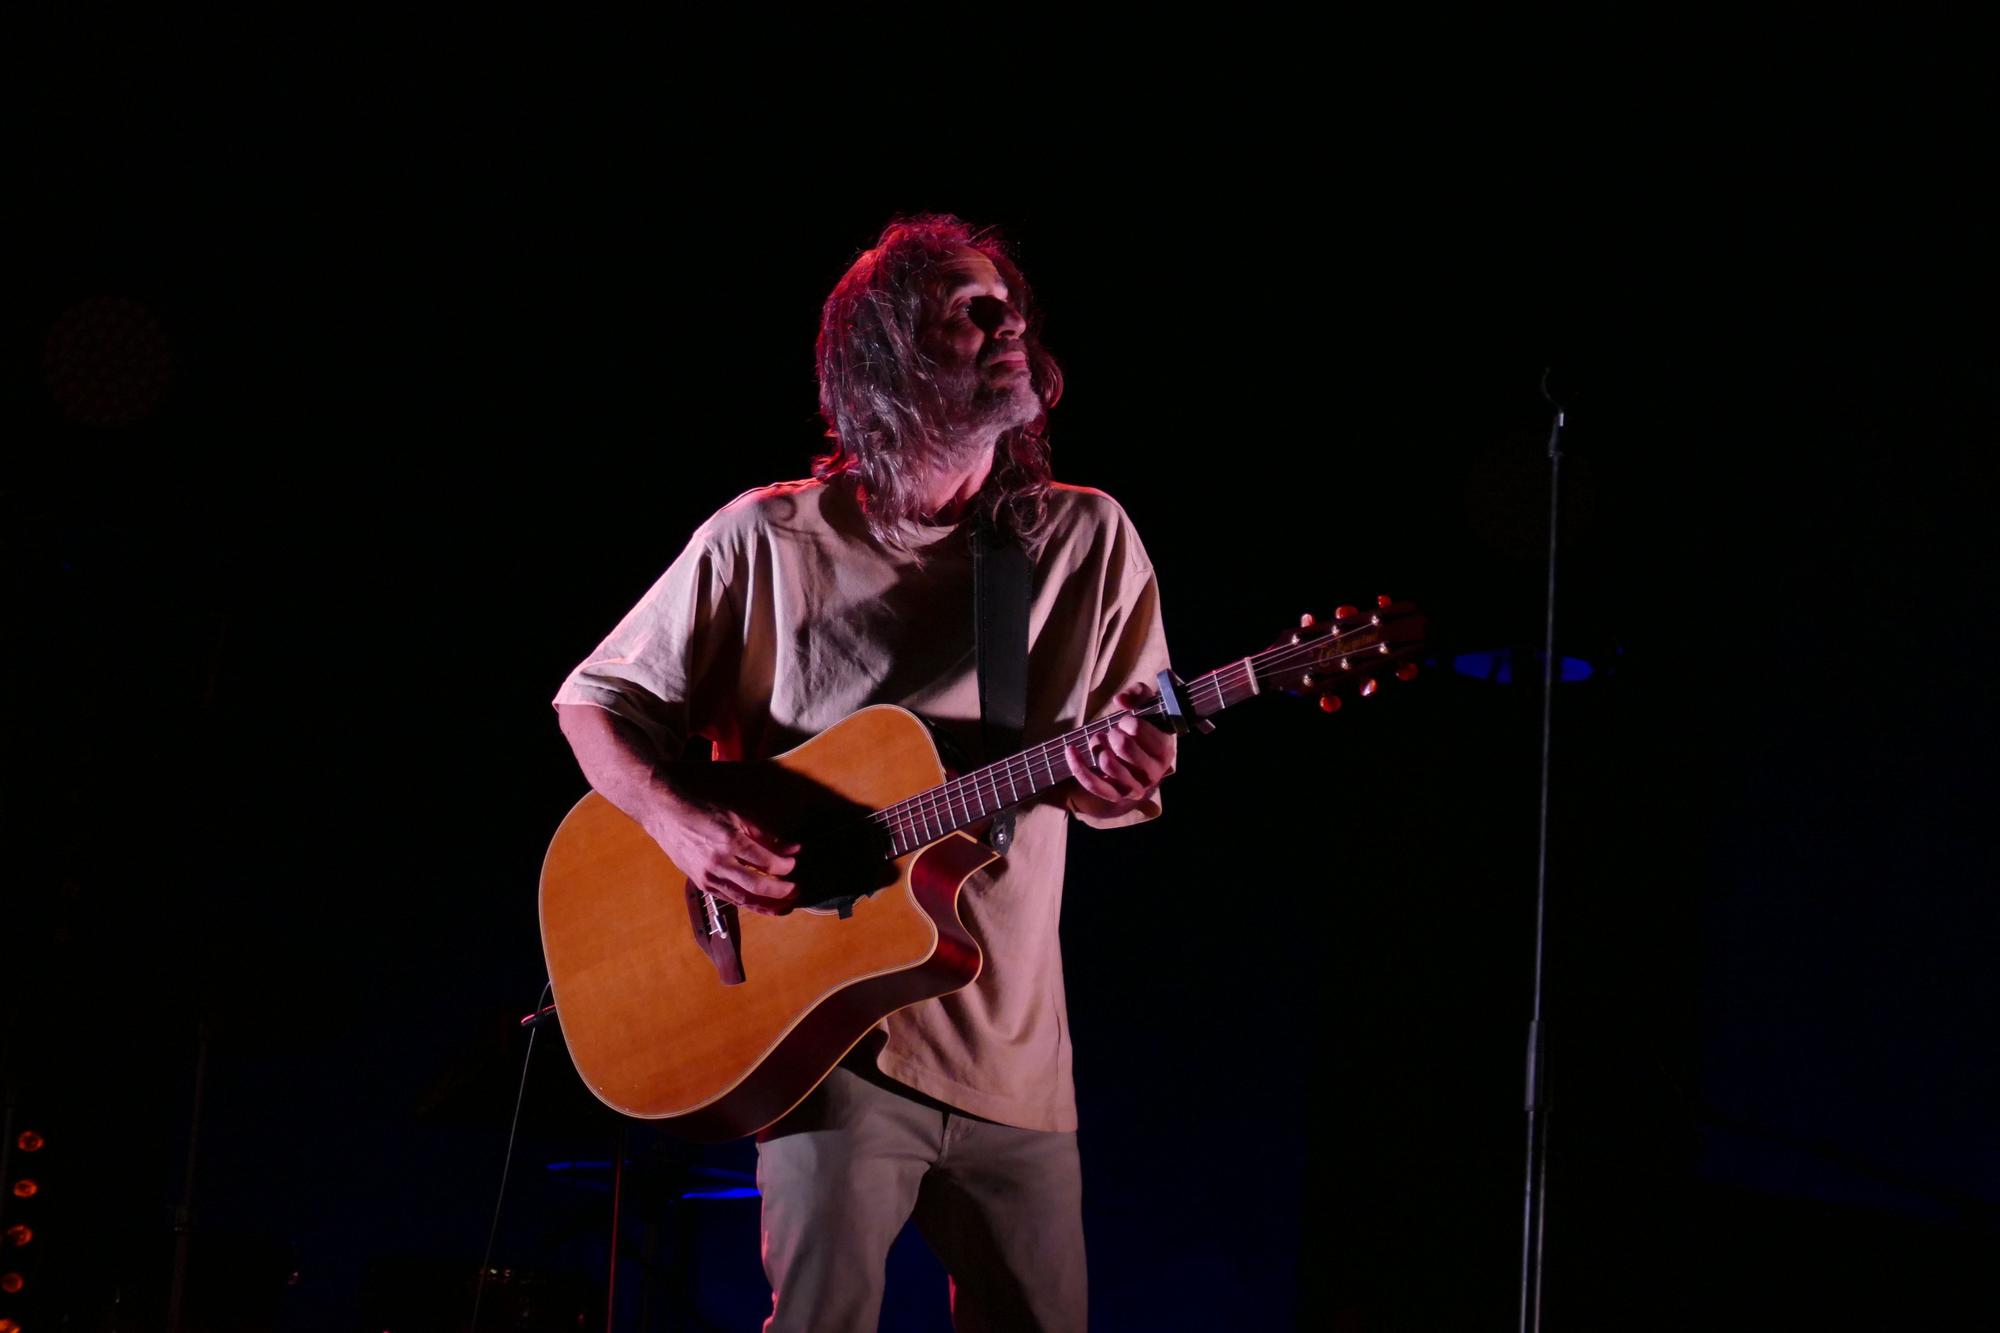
999	318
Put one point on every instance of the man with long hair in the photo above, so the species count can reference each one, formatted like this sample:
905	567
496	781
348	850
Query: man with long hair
801	602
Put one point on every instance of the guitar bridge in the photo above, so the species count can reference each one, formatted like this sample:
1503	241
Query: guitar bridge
710	922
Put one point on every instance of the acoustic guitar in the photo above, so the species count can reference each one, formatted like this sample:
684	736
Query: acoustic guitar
679	1009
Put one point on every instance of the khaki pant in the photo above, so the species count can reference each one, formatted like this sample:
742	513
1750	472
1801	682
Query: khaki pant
1002	1207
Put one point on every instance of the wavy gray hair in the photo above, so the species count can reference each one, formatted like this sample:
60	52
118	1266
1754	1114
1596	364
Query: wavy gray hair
882	397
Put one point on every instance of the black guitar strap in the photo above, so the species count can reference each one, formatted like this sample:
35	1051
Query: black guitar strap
1000	573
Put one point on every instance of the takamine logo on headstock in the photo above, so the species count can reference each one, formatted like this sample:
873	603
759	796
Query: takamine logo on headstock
1352	650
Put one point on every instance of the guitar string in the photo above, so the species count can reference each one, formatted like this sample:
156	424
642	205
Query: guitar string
933	807
1221	683
917	815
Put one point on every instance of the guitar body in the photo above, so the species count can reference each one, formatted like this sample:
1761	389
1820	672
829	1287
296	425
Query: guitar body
681	1009
655	1030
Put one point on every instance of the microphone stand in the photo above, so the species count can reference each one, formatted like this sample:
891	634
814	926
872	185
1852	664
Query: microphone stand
1534	1211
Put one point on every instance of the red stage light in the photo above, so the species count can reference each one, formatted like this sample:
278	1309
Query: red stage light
26	1189
20	1234
10	1282
29	1141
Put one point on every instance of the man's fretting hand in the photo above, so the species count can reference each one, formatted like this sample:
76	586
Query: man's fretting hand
1124	765
724	853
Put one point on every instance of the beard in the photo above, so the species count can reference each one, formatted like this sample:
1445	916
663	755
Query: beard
977	411
964	413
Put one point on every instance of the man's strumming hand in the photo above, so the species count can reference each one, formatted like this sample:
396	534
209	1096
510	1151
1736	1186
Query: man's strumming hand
726	854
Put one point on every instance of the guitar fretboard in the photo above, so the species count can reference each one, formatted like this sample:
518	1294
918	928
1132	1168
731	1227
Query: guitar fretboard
920	820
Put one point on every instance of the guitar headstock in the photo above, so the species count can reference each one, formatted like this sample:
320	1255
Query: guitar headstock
1351	651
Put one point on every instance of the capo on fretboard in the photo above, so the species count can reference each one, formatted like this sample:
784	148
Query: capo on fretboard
1173	703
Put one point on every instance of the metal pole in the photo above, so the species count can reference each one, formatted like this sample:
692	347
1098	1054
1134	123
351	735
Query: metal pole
1534	1207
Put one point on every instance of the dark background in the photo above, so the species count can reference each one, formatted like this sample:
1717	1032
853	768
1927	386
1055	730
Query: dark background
353	395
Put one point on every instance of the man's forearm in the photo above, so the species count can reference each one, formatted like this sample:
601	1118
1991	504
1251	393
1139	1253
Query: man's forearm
620	761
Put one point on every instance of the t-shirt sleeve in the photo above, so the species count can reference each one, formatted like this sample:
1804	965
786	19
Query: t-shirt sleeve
1132	647
666	665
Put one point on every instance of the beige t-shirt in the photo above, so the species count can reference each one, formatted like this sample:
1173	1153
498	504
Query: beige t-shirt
783	616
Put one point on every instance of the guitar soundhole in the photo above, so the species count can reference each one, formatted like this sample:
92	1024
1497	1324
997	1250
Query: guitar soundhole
842	861
843	856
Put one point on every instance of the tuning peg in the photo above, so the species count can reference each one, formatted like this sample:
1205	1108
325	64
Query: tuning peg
1306	680
1407	671
1345	613
1369	686
1385	601
1329	703
1306	621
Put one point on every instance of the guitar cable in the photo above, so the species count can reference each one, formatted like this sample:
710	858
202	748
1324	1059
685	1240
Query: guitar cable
507	1162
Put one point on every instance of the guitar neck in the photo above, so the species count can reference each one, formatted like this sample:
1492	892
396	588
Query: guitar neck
929	815
922	819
